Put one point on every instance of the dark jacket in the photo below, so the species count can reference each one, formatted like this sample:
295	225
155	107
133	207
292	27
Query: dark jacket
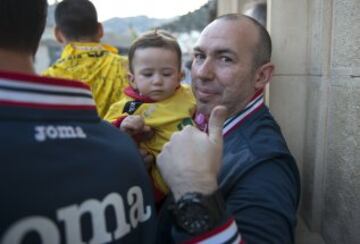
65	175
259	179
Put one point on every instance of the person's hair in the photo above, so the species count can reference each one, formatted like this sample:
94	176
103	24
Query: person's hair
22	24
155	38
76	19
262	50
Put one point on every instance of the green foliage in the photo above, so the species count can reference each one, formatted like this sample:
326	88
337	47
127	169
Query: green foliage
196	20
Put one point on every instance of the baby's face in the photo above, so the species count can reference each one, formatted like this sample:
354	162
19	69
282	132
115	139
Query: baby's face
156	72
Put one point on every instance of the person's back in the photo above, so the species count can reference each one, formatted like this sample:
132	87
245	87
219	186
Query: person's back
84	58
65	175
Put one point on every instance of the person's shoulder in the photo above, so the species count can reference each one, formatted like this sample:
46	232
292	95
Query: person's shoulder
116	109
114	51
114	137
258	143
261	135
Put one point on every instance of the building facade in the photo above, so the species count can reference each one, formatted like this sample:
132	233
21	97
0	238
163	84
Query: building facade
315	96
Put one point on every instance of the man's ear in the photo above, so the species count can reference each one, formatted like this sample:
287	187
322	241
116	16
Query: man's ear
131	80
59	36
263	75
100	32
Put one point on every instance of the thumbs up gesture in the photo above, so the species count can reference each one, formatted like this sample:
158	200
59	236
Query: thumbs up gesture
191	160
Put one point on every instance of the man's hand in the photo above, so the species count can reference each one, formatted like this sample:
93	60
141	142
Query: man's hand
191	160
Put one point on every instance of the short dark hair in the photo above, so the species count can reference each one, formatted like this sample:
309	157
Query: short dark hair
262	51
22	24
155	38
76	19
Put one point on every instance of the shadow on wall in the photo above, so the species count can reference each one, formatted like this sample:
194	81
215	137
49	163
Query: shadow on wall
256	9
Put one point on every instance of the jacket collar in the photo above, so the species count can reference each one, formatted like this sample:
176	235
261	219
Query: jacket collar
77	48
19	90
253	106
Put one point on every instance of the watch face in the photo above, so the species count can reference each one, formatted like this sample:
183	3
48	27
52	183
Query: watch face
194	218
196	213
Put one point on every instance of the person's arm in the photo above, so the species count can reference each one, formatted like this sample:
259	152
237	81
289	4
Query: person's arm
264	202
190	163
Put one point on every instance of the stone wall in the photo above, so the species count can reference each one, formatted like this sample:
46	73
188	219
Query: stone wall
315	96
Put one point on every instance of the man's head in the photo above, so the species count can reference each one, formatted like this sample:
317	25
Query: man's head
231	63
22	24
76	20
155	65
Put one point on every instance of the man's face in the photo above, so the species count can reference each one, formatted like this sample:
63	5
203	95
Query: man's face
222	69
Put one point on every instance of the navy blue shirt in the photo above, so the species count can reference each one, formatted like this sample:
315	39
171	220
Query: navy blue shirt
65	175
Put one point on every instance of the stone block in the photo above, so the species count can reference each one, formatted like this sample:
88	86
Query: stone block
287	104
341	221
342	34
289	30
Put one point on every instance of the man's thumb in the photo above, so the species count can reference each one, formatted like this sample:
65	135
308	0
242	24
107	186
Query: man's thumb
216	123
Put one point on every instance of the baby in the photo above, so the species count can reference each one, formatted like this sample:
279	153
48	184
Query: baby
155	97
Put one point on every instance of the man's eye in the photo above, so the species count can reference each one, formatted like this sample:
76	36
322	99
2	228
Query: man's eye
199	56
147	74
167	74
226	59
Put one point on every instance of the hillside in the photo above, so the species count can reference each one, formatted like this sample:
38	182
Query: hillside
121	31
193	21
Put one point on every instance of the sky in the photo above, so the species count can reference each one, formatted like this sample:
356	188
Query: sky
152	8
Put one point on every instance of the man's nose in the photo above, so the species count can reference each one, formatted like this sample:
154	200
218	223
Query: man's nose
204	70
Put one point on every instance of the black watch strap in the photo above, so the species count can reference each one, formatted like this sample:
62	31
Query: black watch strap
196	213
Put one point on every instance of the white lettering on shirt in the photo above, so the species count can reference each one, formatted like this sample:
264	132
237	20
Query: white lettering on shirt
50	132
71	217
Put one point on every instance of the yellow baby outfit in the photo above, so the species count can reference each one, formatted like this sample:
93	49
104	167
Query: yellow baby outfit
164	117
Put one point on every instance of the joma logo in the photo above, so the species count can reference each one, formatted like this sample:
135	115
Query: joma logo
43	133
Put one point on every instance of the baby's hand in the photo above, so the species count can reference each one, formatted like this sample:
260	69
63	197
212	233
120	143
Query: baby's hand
133	124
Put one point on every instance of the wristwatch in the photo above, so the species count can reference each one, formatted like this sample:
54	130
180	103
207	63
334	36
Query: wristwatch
196	213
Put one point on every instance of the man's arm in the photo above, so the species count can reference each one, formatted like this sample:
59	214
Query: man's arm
264	202
190	163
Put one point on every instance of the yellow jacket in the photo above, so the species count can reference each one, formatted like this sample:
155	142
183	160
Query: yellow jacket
98	65
164	117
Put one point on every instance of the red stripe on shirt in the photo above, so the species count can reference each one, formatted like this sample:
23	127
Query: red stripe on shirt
27	78
211	233
47	106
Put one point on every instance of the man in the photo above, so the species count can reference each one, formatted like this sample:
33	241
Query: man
84	58
258	179
65	175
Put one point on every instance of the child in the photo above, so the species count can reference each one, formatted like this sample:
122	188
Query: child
84	58
155	96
